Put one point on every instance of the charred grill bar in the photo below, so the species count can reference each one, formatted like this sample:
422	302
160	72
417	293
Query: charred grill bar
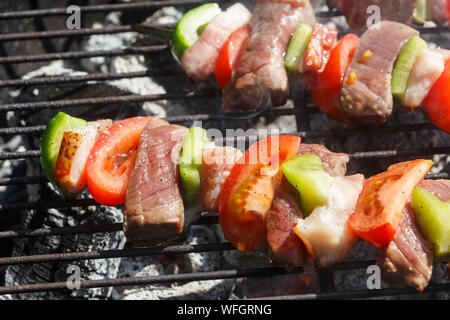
302	112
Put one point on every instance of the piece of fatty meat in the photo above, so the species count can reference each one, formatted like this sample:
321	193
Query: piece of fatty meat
325	232
199	60
285	246
217	163
76	146
427	69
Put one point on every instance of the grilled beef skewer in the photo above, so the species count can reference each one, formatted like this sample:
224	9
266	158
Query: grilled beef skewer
260	80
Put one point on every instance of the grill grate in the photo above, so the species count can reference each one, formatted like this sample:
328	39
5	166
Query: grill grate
304	109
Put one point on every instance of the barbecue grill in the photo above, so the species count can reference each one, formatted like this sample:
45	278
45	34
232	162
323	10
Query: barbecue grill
303	112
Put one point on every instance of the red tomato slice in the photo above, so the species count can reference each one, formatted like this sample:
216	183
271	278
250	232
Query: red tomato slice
437	103
229	54
112	159
325	87
247	194
380	205
319	48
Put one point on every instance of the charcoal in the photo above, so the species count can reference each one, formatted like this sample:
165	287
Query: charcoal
193	262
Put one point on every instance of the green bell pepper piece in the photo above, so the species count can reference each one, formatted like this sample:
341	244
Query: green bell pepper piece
51	142
190	162
433	219
297	47
421	12
306	174
187	32
408	56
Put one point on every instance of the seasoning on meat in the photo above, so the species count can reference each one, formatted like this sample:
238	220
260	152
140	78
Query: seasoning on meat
368	98
319	49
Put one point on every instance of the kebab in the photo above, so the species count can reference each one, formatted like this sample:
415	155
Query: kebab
165	175
283	197
340	74
244	51
316	219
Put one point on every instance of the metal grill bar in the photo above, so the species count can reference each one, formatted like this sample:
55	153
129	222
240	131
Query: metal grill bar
20	155
40	179
361	294
45	232
121	253
57	104
55	204
43	179
279	112
39	35
84	78
230	274
99	8
21	130
121	7
185	277
140	281
22	180
206	219
83	54
400	153
354	156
